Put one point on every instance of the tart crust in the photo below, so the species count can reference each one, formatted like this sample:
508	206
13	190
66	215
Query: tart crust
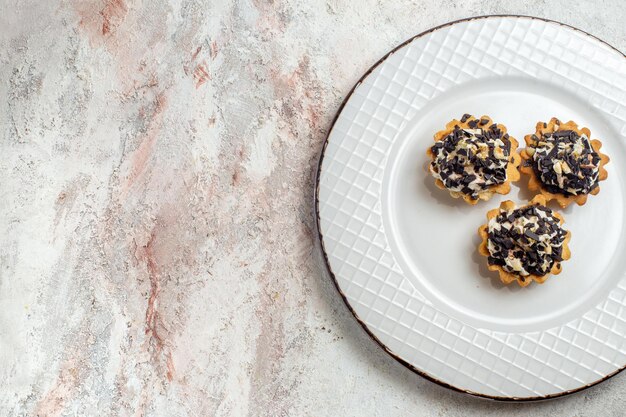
512	173
534	183
508	277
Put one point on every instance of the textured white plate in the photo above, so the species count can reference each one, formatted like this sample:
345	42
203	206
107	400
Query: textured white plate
403	253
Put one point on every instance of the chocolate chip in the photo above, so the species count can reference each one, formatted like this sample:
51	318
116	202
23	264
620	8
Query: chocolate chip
469	179
507	144
580	174
496	261
531	235
527	247
451	158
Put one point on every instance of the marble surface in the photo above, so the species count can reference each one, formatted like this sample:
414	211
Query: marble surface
158	252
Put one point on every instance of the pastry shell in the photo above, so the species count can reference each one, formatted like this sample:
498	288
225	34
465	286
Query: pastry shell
534	183
512	173
508	277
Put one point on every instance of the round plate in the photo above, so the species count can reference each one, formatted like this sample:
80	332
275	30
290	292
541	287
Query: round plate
403	252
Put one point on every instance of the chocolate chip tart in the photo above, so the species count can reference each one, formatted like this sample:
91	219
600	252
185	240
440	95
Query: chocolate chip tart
524	244
474	159
563	163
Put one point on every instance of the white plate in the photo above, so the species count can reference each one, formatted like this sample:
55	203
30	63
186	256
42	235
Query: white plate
403	253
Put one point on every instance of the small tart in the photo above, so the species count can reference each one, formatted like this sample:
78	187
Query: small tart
524	244
474	159
563	163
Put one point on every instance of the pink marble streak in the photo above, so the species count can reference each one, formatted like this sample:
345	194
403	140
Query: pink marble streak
101	18
139	158
153	321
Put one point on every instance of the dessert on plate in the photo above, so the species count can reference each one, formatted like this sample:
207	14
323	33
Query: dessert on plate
526	243
474	158
563	163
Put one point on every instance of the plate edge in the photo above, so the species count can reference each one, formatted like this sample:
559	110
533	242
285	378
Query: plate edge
321	240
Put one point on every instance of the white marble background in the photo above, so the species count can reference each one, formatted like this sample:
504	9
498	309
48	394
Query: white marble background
157	242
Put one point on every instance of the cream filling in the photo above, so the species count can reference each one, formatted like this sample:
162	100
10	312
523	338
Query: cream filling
559	166
544	246
478	147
